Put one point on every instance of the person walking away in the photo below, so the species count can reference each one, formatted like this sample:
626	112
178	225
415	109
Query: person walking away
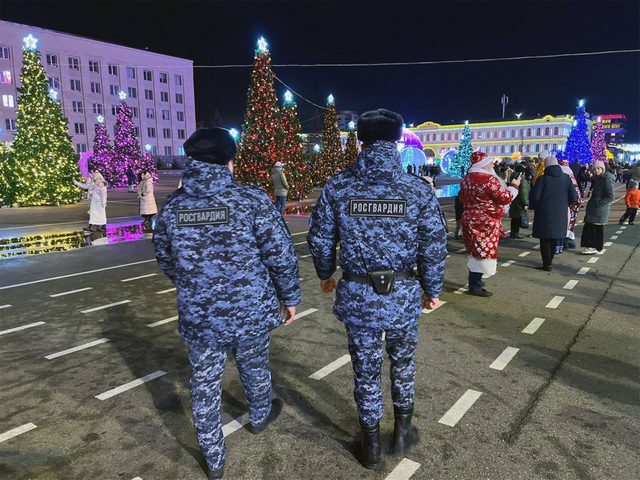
96	187
550	199
597	211
387	222
280	186
484	197
229	254
632	199
147	200
459	208
131	179
519	205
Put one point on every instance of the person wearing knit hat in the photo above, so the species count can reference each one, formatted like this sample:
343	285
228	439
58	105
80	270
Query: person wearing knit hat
280	186
387	223
632	200
597	211
229	254
484	196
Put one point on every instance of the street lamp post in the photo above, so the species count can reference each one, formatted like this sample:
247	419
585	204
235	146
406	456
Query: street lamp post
521	135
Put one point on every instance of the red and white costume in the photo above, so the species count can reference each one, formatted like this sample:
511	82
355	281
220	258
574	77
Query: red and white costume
484	197
575	207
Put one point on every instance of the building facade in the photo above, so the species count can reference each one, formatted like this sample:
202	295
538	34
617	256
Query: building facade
614	126
89	75
346	116
499	139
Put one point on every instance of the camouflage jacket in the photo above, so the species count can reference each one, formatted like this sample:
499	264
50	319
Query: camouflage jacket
229	254
383	219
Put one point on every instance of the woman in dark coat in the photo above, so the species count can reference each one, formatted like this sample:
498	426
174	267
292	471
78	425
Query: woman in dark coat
550	198
597	212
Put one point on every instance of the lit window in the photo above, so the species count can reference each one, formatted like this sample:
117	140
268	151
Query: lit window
181	150
6	77
7	101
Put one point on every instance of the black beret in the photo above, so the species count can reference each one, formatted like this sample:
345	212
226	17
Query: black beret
211	145
380	124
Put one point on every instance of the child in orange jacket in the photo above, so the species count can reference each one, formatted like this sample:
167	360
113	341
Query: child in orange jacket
632	199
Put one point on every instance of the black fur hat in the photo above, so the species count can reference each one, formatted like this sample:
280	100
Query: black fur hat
211	145
380	124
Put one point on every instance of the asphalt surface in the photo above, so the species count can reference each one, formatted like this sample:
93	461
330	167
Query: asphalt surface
566	406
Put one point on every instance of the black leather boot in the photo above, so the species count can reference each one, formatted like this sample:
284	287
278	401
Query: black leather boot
404	435
276	409
216	474
370	445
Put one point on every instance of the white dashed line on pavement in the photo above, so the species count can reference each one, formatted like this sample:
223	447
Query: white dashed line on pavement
299	233
461	250
536	246
593	259
601	252
508	263
234	425
305	256
404	470
555	301
461	290
336	364
137	478
614	237
23	327
570	284
77	349
583	271
166	291
608	244
306	312
524	254
447	256
5	306
505	357
533	326
618	232
441	304
62	294
138	278
16	431
301	243
102	307
459	408
128	386
622	227
162	322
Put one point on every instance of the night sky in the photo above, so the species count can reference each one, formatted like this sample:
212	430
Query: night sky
216	33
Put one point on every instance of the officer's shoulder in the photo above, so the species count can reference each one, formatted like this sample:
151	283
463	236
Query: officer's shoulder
418	183
173	198
340	180
252	192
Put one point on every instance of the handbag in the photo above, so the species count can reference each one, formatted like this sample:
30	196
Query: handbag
524	220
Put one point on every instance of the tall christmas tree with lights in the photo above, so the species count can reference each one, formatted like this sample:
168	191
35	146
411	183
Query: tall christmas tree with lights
331	157
598	144
578	145
351	147
258	149
102	157
300	181
42	164
462	159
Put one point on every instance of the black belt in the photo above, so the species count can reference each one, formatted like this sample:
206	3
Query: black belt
352	277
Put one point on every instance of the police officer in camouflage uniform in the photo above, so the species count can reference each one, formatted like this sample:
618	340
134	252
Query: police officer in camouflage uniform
228	252
387	222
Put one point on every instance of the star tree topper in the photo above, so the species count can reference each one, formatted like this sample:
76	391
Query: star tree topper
30	42
263	46
122	95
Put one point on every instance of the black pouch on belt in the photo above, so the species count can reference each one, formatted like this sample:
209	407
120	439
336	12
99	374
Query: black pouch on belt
382	281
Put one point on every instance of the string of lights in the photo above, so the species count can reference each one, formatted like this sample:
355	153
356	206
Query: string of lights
296	93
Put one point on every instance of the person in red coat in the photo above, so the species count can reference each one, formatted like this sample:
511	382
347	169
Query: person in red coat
484	196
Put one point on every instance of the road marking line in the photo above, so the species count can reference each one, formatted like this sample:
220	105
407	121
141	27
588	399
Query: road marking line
77	349
583	271
447	256
555	301
305	256
166	291
461	250
461	290
570	284
404	470
505	357
306	312
68	223
235	424
533	326
608	244
300	243
622	227
601	252
524	254
5	306
614	237
299	233
508	263
536	246
162	322
102	307
61	294
593	259
138	278
128	386
459	408
137	478
23	327
336	364
618	232
75	274
16	431
441	304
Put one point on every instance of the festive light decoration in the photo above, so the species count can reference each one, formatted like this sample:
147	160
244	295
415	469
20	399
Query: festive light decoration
316	148
578	145
53	95
234	133
259	142
100	119
101	155
122	95
300	182
351	149
41	165
288	97
461	162
598	144
331	158
331	99
352	125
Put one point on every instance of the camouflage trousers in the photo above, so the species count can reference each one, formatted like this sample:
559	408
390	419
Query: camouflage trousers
365	348
207	368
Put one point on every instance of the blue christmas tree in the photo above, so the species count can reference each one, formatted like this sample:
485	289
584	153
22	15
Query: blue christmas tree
578	143
461	162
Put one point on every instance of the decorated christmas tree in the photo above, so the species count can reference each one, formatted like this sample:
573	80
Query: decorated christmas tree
351	148
598	144
462	159
102	157
331	157
42	164
300	182
258	149
578	145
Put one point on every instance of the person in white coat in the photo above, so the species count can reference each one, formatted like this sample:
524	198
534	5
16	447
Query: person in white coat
96	187
148	207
